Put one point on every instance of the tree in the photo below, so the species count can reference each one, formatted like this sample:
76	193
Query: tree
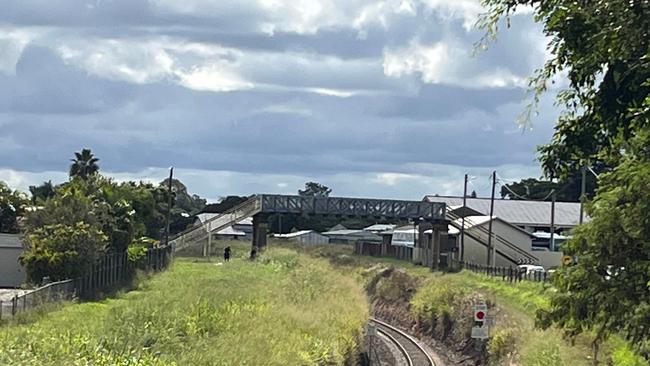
566	190
225	204
184	205
608	290
313	189
603	48
42	193
84	164
12	207
62	251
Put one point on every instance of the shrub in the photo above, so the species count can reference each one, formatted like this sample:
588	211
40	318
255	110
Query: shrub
62	251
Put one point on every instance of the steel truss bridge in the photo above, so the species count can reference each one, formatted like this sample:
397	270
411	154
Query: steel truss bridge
261	205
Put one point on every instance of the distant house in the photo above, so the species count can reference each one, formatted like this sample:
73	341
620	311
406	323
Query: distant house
379	228
229	233
12	274
308	237
339	234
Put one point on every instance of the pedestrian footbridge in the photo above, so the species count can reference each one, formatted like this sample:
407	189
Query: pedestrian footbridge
262	205
428	216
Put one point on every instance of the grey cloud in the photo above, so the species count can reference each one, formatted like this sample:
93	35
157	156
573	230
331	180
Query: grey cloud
277	131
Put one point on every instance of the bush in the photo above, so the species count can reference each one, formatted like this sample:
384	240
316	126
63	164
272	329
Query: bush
62	251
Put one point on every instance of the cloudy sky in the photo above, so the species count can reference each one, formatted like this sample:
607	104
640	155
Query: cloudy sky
373	98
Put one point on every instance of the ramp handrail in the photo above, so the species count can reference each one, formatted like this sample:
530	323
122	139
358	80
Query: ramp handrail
218	222
485	231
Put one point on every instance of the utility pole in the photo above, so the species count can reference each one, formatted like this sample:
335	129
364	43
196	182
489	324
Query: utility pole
490	256
169	204
552	239
583	184
462	223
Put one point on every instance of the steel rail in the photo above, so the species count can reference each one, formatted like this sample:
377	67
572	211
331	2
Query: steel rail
399	344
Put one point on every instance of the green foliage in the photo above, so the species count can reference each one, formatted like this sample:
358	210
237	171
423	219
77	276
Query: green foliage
566	190
182	200
225	203
314	189
289	310
603	46
12	206
435	301
624	355
62	251
608	290
502	345
546	353
42	193
138	248
84	164
120	212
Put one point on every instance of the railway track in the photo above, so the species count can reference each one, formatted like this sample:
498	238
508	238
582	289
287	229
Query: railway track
412	353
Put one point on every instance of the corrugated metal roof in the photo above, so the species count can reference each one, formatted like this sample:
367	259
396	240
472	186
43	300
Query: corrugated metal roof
380	227
524	213
203	217
293	235
230	231
344	232
246	221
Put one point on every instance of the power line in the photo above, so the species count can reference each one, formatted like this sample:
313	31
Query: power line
526	198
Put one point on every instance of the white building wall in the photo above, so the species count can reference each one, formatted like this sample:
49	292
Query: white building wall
476	253
12	274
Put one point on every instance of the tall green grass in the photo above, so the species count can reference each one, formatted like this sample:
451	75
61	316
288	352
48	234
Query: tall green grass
283	309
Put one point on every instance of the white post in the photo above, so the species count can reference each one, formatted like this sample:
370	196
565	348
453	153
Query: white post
209	239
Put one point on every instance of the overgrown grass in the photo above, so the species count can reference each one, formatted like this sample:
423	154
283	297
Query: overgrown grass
514	338
284	309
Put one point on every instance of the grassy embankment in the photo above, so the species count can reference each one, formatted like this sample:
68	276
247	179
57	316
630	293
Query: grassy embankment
284	309
440	298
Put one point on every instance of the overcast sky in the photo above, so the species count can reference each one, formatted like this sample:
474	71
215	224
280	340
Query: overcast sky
373	98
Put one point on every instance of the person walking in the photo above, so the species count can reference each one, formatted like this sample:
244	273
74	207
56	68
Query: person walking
226	254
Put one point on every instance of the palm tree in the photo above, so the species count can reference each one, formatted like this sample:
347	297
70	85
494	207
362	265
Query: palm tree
84	164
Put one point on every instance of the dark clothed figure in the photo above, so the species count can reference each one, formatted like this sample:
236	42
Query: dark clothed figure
226	254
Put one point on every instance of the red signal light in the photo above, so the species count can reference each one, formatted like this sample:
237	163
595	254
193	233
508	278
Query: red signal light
479	315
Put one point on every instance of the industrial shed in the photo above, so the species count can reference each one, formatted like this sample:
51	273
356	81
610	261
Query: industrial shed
528	215
308	237
350	236
12	274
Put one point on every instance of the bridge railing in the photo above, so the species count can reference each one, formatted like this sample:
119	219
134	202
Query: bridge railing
501	244
352	207
221	221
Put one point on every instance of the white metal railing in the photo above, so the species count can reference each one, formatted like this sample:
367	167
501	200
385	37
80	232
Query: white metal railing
500	244
200	232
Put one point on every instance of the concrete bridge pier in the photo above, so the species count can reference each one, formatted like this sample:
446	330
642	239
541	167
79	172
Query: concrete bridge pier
260	230
424	245
438	237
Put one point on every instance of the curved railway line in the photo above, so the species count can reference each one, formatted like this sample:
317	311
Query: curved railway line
412	352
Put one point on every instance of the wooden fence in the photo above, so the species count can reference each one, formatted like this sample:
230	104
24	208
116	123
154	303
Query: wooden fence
111	272
375	250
